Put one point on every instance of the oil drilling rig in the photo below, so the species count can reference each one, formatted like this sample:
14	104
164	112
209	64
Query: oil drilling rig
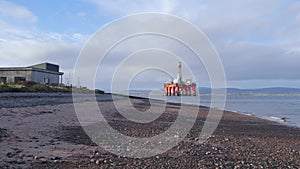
177	87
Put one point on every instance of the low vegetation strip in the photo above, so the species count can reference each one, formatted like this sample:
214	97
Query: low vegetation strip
32	87
37	87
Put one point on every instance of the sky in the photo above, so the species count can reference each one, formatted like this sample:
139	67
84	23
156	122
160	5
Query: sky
257	41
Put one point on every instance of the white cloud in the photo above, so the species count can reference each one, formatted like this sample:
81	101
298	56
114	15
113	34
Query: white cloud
244	61
27	52
125	7
256	39
16	12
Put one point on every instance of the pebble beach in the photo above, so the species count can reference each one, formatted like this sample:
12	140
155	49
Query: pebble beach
41	130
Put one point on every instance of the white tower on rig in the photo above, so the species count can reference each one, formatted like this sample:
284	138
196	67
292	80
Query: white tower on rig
179	75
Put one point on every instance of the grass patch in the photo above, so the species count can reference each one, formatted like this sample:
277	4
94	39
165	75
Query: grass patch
37	87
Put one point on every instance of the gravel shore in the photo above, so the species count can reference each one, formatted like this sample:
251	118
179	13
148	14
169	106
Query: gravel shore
42	131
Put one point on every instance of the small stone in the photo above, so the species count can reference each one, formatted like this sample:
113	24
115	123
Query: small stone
21	162
34	138
55	158
12	162
21	155
10	155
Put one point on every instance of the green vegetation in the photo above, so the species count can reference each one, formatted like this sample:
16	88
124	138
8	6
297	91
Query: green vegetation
37	87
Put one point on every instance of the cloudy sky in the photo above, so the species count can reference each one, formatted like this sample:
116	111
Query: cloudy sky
258	41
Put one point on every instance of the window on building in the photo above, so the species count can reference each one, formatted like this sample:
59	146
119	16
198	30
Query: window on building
3	80
19	79
46	80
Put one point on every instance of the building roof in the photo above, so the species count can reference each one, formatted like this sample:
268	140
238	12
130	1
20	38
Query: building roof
46	66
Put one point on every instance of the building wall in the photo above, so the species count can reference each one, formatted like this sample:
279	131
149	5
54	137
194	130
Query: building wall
30	75
41	77
11	74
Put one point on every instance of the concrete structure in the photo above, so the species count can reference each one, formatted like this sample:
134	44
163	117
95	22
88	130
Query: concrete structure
177	87
45	73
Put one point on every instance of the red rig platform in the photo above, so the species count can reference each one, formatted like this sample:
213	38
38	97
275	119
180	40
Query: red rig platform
177	87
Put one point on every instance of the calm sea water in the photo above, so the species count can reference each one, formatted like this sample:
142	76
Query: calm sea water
283	109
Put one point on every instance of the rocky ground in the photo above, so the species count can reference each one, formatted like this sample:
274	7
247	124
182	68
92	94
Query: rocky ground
47	134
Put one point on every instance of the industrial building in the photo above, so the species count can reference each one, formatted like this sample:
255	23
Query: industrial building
44	73
177	87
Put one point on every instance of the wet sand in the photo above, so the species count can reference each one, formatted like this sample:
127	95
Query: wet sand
42	131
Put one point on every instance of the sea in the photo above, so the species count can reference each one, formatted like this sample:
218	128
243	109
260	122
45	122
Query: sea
284	109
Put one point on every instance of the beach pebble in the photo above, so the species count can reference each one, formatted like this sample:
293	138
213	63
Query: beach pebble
11	154
55	158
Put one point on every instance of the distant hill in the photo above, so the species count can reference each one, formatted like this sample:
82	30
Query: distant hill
272	90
